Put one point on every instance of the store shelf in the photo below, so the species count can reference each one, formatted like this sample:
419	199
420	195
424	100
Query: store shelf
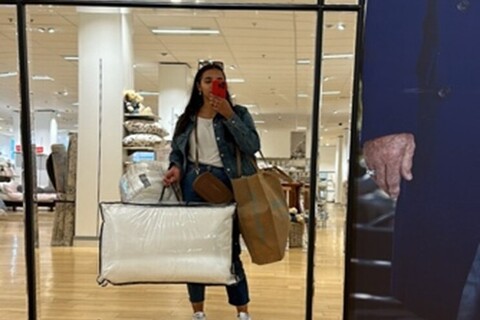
141	116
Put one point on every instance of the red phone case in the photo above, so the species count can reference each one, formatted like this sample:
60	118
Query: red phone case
219	88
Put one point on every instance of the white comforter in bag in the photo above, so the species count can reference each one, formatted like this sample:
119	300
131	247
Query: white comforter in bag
166	244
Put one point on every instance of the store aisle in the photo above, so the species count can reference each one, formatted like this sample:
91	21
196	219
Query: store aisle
69	289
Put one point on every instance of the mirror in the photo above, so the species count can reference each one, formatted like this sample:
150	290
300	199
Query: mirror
269	61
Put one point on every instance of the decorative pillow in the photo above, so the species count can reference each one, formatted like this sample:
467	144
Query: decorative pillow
143	126
10	187
142	140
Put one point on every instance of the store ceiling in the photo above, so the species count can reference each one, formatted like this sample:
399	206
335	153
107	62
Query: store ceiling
261	47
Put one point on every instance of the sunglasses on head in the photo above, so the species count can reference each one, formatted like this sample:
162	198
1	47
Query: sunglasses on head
203	63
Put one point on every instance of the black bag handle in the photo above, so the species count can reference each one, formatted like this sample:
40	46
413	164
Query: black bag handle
176	190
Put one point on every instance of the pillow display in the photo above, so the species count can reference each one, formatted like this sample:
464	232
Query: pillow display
144	126
141	140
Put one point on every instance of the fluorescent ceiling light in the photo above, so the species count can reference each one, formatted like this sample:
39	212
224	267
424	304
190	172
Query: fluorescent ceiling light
330	93
259	121
301	128
8	74
338	56
43	78
75	104
302	95
249	106
71	58
236	80
148	93
303	61
185	31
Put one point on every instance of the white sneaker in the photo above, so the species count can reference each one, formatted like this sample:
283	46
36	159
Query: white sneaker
199	316
243	316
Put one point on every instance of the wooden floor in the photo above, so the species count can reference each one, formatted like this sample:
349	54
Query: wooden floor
68	288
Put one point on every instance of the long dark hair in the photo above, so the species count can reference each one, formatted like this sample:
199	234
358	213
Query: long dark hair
196	99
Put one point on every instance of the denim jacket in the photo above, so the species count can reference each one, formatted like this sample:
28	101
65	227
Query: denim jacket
238	131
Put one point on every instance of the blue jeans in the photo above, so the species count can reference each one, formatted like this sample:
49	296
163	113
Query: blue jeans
238	292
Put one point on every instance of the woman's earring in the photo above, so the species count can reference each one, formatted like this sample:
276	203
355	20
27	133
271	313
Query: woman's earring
199	92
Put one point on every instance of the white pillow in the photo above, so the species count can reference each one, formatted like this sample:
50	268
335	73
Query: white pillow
142	140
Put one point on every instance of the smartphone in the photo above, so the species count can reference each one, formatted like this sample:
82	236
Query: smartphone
219	88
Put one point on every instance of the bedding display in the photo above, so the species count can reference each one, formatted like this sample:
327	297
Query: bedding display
12	194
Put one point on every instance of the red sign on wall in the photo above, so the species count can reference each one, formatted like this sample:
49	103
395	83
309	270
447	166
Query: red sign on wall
38	150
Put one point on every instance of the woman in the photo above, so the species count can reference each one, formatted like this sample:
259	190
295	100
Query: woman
210	130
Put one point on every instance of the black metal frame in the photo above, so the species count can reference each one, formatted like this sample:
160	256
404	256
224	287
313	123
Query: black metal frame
319	8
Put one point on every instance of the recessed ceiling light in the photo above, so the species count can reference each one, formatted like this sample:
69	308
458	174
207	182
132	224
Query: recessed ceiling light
42	78
186	31
148	93
8	74
304	61
330	93
337	56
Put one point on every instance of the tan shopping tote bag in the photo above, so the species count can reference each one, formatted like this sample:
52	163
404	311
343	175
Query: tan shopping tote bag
263	214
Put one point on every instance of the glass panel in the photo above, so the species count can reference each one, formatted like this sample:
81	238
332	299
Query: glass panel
13	303
336	100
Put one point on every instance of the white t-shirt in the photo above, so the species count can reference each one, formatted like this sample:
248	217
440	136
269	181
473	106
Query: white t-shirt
207	144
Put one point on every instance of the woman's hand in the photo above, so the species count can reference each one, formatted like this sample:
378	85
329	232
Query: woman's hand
172	176
221	106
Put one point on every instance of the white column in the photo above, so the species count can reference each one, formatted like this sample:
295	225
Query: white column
105	71
53	131
174	84
16	128
338	170
42	137
42	126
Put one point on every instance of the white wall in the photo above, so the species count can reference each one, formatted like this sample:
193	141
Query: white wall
327	158
275	143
